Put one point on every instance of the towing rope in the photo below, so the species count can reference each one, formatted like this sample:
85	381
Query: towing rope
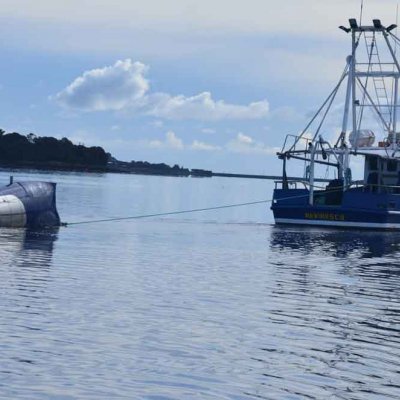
115	219
93	221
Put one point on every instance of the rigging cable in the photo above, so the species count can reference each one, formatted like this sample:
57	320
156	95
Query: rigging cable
333	93
330	103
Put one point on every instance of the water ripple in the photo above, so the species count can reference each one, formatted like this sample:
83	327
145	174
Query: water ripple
178	309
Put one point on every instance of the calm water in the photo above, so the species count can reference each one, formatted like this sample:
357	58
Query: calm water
216	305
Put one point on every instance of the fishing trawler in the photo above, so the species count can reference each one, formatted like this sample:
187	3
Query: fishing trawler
368	144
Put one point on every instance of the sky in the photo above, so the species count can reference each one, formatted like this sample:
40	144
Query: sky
203	84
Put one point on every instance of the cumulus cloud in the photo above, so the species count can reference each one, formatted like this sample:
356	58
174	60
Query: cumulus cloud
124	87
202	107
197	145
243	139
171	141
245	144
108	88
241	144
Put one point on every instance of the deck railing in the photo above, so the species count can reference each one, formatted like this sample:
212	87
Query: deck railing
366	187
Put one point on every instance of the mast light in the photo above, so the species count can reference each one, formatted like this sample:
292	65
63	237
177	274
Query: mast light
343	28
391	27
353	23
377	23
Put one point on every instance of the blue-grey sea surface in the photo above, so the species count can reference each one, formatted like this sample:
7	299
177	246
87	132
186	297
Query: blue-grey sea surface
213	305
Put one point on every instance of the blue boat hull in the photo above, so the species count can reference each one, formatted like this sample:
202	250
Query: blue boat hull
358	209
29	204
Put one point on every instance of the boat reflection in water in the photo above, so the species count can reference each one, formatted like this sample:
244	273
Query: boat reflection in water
26	247
337	243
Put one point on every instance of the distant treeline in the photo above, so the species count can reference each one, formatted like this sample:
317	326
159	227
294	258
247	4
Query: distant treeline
19	149
146	168
33	151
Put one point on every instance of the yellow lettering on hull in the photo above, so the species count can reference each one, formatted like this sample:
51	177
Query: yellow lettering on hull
325	216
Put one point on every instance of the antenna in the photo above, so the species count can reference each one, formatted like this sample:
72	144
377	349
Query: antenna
361	11
397	22
397	16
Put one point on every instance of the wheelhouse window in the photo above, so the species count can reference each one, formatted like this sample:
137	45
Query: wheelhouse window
391	165
373	163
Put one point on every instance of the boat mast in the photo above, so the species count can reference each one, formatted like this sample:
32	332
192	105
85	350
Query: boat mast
354	26
312	173
396	82
347	102
396	95
342	139
378	77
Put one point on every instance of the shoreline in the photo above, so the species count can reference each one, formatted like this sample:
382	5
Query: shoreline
179	173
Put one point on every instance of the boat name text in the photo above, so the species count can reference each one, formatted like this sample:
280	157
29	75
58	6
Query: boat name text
325	216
